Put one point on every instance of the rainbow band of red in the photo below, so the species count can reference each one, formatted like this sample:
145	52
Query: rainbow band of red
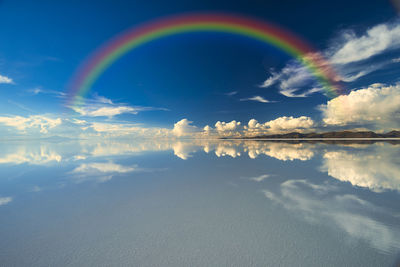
92	69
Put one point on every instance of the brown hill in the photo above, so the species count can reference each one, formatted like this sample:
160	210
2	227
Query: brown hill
342	134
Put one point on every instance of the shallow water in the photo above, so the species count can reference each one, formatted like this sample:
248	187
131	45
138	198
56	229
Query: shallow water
199	203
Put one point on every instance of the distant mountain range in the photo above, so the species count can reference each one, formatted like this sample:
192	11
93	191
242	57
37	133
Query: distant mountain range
334	135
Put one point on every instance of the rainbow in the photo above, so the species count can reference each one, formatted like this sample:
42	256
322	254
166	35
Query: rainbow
107	54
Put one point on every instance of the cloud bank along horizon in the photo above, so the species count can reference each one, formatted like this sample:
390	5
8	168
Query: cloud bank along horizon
98	62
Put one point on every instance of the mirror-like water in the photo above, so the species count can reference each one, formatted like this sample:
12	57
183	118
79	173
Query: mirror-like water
199	203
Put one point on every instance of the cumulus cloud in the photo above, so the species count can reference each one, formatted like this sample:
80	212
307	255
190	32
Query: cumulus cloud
325	204
40	122
5	79
290	123
279	125
257	99
227	128
377	104
184	127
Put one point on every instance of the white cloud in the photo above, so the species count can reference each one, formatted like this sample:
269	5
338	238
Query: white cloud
5	200
376	40
294	80
231	93
227	128
104	111
259	178
279	125
39	90
396	60
257	99
121	129
32	122
349	55
290	123
184	127
378	104
5	79
207	129
103	107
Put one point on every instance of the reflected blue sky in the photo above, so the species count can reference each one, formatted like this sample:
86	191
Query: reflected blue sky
180	203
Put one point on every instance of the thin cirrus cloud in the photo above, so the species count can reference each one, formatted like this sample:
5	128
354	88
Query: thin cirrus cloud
231	93
39	90
374	41
104	107
257	98
259	178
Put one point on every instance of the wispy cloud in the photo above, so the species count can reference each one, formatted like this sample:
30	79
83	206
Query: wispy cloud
231	93
257	98
103	107
374	41
259	178
5	79
351	55
5	200
39	90
21	106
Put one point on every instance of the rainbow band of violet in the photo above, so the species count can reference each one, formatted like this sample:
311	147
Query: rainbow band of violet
95	66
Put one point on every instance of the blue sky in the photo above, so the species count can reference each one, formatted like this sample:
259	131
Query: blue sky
196	79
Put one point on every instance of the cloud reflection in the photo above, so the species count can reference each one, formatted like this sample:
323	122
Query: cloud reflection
326	204
100	171
376	168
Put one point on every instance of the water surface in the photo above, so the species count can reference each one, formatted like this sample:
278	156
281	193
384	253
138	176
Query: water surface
199	203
